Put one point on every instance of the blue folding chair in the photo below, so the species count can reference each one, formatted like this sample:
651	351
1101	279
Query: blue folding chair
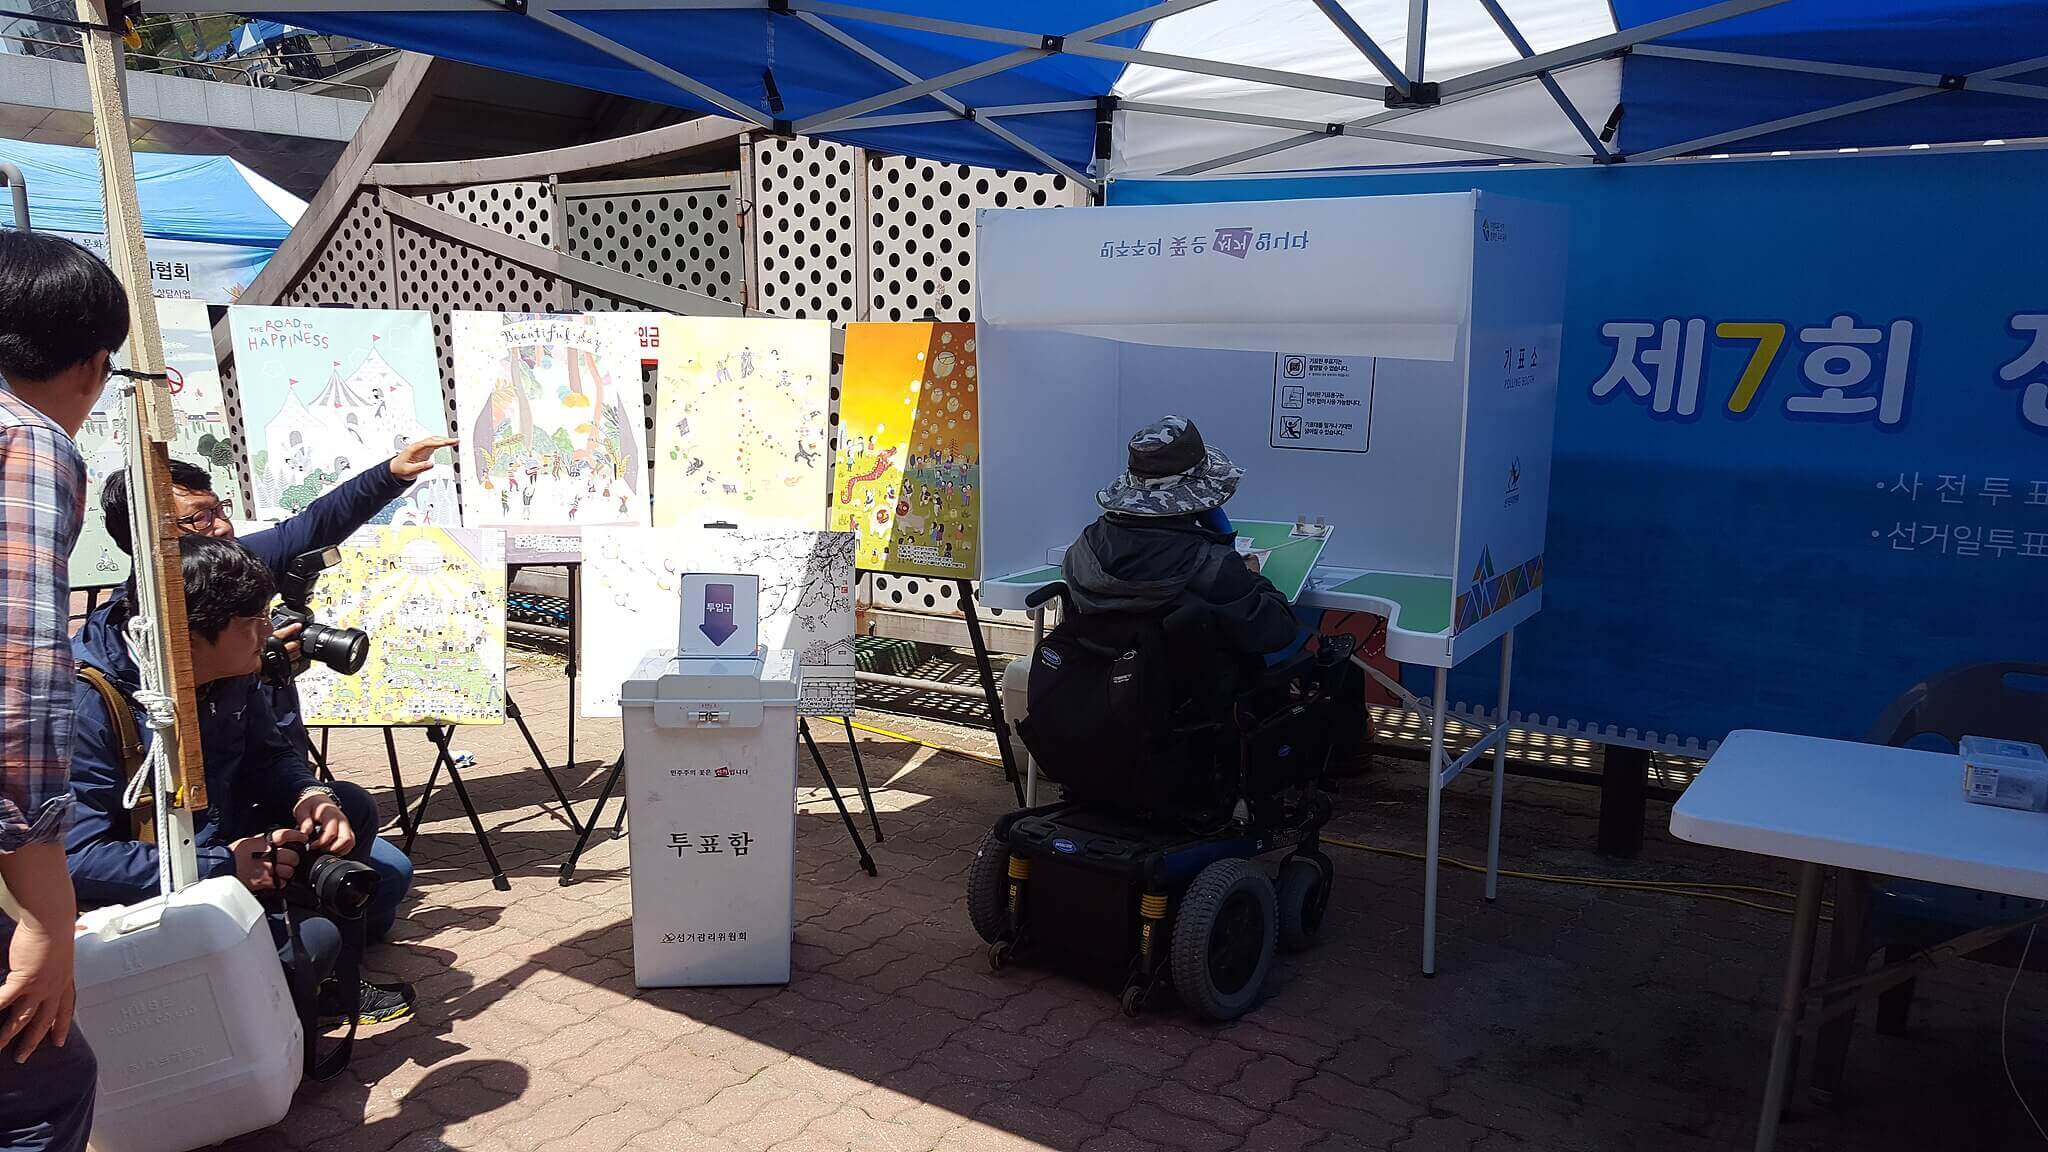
1899	917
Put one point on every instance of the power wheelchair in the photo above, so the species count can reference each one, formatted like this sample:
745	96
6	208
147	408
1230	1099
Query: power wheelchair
1180	767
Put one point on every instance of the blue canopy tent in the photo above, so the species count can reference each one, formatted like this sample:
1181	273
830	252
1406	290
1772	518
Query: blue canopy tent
210	223
1114	88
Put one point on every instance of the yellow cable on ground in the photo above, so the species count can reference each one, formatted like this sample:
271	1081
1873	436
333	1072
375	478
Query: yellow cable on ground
1697	890
1669	888
898	736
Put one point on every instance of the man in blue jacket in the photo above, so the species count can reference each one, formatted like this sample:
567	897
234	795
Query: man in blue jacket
326	522
263	805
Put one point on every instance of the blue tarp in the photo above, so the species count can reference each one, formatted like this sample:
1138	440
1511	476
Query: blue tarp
1665	101
196	198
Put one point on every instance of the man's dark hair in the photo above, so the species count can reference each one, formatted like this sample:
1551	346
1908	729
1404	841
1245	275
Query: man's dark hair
114	497
59	304
224	582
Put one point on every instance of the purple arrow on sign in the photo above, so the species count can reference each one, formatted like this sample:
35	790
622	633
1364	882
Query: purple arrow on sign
718	623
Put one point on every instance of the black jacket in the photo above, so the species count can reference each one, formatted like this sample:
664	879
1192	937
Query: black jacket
1146	564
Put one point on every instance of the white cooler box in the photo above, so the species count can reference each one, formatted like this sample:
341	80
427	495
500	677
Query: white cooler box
711	776
186	1006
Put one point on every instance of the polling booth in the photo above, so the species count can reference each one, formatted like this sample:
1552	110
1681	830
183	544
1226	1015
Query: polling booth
1384	369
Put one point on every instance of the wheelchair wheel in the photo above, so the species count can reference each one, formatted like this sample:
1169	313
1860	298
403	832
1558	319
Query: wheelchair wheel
988	890
1223	939
1304	892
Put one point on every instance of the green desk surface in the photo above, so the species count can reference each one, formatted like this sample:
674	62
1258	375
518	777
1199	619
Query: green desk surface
1425	601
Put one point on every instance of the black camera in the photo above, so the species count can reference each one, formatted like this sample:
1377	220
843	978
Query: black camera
340	887
342	649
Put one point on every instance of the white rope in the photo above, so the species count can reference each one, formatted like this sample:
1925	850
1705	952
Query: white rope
161	713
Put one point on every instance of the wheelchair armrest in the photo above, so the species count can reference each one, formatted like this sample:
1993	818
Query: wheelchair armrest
1055	590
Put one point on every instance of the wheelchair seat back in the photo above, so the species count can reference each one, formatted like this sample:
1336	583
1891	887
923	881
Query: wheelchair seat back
1127	711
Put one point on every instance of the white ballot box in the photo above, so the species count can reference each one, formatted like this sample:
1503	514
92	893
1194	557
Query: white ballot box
711	773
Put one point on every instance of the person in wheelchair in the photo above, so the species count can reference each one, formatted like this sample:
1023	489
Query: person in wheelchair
1163	541
1171	690
1188	728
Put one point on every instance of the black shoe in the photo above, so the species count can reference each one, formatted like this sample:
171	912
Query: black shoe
377	1004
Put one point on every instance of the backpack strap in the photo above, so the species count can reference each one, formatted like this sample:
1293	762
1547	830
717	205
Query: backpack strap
121	714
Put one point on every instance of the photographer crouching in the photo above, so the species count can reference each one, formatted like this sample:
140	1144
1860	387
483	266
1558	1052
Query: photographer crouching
326	522
268	822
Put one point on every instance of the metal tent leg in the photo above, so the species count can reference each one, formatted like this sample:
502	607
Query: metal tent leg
1436	813
1500	766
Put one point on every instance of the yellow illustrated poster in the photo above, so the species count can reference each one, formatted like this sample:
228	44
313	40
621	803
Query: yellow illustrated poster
433	602
907	478
739	422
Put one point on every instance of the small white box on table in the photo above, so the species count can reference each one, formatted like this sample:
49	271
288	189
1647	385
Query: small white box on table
2006	773
711	772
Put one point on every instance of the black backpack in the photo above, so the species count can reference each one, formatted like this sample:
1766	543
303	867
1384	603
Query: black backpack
1110	715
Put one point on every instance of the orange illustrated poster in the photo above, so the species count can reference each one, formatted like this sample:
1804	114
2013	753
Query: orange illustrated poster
907	478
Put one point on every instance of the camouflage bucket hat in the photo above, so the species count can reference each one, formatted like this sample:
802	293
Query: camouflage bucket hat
1170	472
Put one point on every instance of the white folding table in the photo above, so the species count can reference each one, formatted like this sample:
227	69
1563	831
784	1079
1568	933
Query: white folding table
1857	808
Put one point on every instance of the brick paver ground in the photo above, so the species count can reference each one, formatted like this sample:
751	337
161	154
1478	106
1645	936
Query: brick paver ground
1563	1018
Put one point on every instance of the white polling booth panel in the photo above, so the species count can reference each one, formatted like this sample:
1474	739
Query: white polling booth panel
1386	364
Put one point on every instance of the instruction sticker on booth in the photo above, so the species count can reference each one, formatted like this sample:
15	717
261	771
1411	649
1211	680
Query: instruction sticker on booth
1322	403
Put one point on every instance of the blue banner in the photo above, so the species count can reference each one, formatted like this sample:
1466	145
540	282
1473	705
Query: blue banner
1802	435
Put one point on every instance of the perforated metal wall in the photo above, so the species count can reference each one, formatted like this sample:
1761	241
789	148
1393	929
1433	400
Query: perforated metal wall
836	232
920	230
680	231
806	228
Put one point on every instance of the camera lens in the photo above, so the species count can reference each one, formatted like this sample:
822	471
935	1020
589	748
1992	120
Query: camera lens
342	649
342	886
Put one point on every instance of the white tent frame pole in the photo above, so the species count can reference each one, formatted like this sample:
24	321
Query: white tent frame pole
1851	108
1444	142
1039	45
1307	138
997	112
1550	84
1418	37
1363	41
1979	83
655	68
866	52
1601	46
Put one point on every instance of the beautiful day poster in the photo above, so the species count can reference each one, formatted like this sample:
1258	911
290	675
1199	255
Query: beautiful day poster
552	419
201	438
908	473
740	432
328	392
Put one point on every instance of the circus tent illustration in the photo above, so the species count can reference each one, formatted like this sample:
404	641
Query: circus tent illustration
352	422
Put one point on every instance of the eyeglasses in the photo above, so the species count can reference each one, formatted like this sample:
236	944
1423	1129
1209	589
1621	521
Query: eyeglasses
204	519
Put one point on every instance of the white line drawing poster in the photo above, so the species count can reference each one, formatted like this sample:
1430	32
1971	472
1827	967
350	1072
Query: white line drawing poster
202	435
328	392
632	603
433	602
740	424
552	420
